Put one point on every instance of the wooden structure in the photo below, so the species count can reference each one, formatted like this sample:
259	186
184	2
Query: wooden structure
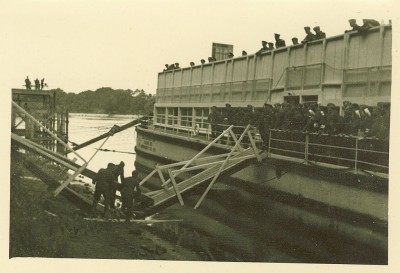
40	105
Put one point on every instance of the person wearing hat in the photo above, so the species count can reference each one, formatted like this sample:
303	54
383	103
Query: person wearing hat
203	61
354	26
244	53
271	46
210	59
295	41
309	37
263	48
318	33
230	55
278	41
191	63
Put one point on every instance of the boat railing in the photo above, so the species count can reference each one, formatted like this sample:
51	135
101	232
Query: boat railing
353	152
185	126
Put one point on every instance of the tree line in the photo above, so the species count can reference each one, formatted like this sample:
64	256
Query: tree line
106	100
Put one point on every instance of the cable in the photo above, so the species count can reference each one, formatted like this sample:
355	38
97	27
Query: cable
114	151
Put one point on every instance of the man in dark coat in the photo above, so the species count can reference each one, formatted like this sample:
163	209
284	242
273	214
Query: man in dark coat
318	33
37	84
332	119
354	26
271	46
42	84
214	118
118	171
278	41
130	192
28	83
309	37
264	48
266	122
104	185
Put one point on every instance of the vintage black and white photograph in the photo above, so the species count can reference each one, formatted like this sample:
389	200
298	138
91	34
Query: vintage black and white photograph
249	132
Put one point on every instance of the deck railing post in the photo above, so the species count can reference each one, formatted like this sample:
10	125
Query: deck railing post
356	156
306	148
269	142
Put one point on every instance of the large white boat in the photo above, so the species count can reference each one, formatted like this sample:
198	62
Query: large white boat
337	176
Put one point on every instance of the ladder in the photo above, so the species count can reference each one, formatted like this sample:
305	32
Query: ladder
209	167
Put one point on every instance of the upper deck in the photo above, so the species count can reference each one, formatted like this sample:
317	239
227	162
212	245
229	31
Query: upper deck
351	66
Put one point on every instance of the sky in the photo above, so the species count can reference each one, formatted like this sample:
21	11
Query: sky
85	45
88	44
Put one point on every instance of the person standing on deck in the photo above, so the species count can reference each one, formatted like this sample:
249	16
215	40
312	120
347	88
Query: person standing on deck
27	83
42	84
214	119
37	84
266	122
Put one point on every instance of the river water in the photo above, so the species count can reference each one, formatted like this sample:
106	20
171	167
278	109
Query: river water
232	225
120	147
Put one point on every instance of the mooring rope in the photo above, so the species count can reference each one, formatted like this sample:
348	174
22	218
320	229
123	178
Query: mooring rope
114	151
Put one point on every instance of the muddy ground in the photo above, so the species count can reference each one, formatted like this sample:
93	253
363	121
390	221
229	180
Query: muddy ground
46	226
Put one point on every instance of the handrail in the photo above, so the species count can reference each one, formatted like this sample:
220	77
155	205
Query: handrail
304	145
354	157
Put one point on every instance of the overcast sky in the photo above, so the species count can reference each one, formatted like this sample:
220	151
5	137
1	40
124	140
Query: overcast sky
84	45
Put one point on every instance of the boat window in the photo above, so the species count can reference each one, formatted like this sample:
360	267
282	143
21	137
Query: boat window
186	117
307	100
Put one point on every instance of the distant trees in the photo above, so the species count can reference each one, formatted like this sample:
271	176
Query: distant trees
106	100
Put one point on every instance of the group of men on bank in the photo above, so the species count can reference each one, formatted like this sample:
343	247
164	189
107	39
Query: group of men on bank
356	120
106	185
39	85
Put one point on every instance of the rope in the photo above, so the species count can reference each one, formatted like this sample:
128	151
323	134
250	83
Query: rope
114	151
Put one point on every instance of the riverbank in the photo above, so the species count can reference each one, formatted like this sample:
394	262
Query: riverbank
45	226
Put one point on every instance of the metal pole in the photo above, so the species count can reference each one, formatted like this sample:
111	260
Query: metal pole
306	148
269	142
356	155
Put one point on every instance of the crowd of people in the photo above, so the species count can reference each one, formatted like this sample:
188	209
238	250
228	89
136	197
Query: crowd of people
355	120
310	36
39	85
